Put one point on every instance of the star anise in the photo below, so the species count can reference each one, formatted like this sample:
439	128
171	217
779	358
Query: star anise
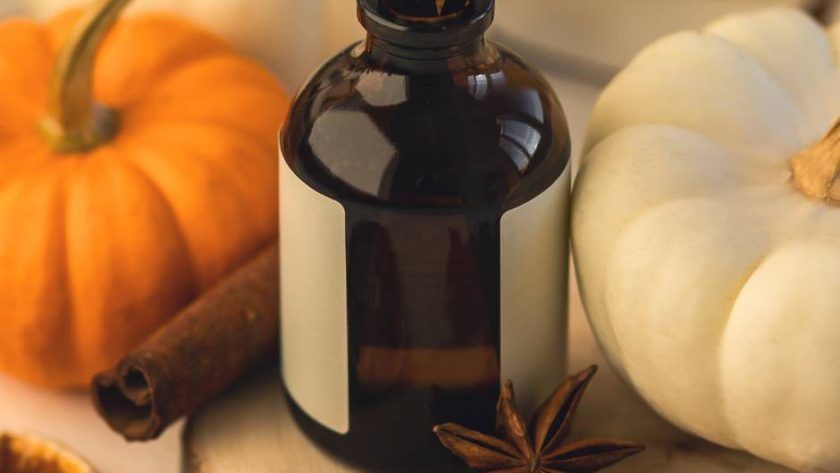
515	450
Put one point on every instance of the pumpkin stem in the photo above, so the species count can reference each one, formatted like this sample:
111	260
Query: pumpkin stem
816	170
75	123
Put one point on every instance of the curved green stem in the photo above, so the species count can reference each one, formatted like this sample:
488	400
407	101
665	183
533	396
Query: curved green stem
74	122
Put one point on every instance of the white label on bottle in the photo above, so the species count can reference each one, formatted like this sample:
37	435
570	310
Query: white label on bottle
534	293
313	302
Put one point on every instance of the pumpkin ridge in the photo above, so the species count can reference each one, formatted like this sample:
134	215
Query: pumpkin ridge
804	120
58	325
722	395
70	299
165	98
27	108
189	63
168	21
238	195
58	27
713	387
124	292
242	190
770	75
167	111
207	125
226	167
140	100
159	121
29	55
120	56
124	160
716	53
37	160
727	415
255	137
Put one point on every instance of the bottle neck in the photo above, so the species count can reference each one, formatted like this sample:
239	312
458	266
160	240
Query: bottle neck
396	33
380	48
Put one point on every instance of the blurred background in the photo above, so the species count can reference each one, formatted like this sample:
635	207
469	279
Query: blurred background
579	44
586	39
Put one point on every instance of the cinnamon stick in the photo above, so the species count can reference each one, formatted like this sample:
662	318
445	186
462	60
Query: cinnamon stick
224	334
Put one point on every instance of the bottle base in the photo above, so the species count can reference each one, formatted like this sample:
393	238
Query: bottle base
404	448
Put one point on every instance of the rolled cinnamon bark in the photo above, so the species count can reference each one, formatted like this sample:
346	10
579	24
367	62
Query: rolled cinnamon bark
224	334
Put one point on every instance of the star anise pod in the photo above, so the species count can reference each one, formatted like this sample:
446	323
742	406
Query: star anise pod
540	449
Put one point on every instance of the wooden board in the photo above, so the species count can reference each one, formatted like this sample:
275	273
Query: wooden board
251	431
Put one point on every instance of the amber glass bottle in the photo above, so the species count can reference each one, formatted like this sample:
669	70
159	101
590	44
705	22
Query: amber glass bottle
424	197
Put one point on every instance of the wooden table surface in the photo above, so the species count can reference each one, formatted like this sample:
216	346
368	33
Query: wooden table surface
250	429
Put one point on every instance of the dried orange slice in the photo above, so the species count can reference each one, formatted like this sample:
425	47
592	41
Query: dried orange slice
29	454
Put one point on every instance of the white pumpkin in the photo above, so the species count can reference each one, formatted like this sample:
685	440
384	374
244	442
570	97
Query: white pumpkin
292	37
711	280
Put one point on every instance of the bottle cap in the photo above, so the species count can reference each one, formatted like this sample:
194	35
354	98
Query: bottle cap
421	24
427	10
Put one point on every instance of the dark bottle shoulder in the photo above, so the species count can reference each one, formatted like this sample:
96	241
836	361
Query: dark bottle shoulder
479	130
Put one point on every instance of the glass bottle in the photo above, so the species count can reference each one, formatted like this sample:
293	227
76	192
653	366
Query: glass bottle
424	198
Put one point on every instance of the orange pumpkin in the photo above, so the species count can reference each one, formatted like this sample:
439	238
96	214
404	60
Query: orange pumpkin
135	179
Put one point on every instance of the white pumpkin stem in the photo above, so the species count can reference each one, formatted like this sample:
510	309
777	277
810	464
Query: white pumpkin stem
816	170
75	123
